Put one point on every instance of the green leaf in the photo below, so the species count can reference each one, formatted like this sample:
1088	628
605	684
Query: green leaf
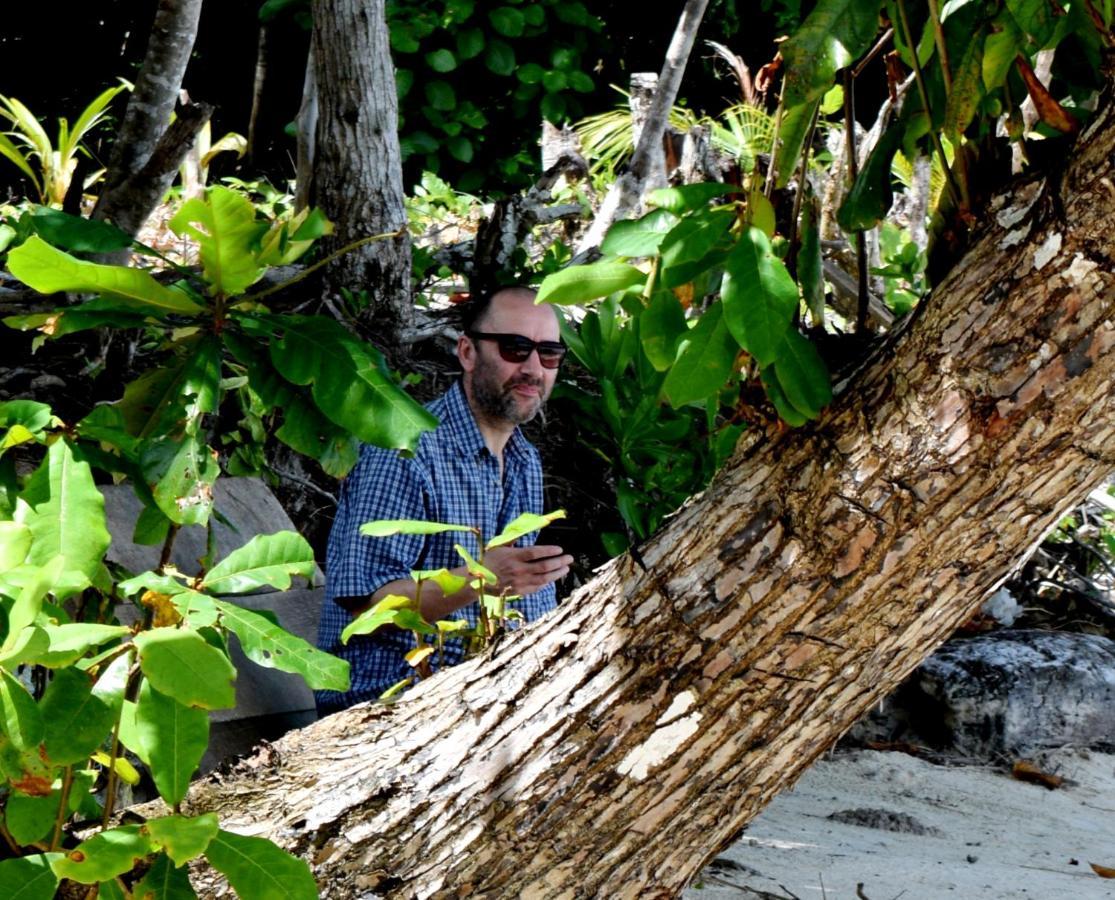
786	410
802	375
34	583
460	148
443	578
267	559
871	195
269	645
507	20
163	881
706	361
694	237
20	718
76	721
811	272
104	856
48	270
832	36
475	568
758	295
69	642
387	610
15	541
180	472
30	819
182	665
638	237
388	527
76	234
28	877
257	869
225	227
1003	43
661	325
792	132
181	837
470	43
440	95
531	73
1035	17
524	524
579	284
441	60
65	513
967	87
174	738
688	197
499	57
350	384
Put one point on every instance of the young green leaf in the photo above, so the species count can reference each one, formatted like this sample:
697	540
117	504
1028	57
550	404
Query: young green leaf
183	838
76	721
387	527
28	877
49	271
705	362
267	559
269	645
387	611
225	227
524	524
181	664
255	867
638	237
20	718
474	568
104	855
759	296
174	738
443	578
579	284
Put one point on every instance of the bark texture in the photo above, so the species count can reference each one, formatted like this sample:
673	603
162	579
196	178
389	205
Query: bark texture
613	747
357	174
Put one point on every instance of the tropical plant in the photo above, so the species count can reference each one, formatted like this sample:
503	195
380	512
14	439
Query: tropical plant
50	166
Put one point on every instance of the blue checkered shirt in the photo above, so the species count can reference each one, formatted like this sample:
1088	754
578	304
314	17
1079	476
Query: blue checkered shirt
453	478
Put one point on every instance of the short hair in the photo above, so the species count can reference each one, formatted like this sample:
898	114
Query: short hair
474	309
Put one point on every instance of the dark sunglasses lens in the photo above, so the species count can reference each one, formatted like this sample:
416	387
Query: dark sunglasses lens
550	356
515	349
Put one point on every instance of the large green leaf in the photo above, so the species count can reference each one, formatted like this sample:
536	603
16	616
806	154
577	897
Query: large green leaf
183	838
267	559
31	818
694	237
802	375
181	664
15	541
786	410
793	129
706	360
967	87
638	237
661	325
77	234
1035	17
871	195
387	527
104	855
830	38
174	738
259	870
28	877
49	270
350	383
1000	49
180	473
35	582
20	718
225	227
66	515
267	644
163	881
579	284
688	197
758	295
171	398
524	524
76	721
69	642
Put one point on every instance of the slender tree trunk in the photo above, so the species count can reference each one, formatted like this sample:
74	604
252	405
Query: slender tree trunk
357	164
646	170
307	133
146	149
613	747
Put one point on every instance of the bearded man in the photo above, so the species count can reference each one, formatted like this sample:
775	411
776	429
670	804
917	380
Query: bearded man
474	469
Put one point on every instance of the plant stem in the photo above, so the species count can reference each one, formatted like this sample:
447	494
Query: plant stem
853	173
130	691
939	40
9	840
950	179
768	187
168	546
63	802
873	52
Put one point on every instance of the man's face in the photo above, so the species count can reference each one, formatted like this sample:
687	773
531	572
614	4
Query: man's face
501	390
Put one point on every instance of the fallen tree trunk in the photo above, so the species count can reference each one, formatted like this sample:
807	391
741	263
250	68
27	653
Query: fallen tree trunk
612	748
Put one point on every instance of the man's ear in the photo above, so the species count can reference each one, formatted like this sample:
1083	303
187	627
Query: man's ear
466	353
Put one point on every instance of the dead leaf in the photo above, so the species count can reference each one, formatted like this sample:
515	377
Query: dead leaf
1103	871
164	611
1024	770
1049	110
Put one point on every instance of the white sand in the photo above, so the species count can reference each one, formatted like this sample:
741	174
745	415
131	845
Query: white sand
998	838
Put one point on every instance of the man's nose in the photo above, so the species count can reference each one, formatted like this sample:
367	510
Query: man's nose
532	364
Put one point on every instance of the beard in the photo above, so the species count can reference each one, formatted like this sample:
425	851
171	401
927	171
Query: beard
497	400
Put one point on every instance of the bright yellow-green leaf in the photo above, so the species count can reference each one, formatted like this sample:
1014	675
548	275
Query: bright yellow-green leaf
524	524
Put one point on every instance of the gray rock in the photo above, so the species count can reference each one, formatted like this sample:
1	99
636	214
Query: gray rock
1003	695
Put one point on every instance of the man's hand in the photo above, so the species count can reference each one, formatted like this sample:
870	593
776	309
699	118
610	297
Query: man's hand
524	570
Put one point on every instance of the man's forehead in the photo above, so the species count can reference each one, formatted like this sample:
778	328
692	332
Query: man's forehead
510	309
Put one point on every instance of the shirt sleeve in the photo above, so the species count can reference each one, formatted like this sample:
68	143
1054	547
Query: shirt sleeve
383	485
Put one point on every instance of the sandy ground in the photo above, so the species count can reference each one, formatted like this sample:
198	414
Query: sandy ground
983	834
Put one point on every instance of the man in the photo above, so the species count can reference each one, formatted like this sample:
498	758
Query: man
476	469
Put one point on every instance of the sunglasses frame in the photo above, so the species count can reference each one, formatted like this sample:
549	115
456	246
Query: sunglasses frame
503	340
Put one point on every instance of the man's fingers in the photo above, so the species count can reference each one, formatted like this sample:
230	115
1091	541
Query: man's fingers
541	551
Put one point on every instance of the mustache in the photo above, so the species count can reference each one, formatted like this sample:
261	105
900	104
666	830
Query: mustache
522	379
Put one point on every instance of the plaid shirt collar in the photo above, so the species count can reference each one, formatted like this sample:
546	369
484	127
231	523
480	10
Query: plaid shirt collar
458	419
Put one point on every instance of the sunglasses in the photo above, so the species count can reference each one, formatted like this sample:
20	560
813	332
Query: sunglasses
514	348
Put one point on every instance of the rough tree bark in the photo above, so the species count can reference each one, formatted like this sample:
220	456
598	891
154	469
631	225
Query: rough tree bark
613	747
147	149
357	168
